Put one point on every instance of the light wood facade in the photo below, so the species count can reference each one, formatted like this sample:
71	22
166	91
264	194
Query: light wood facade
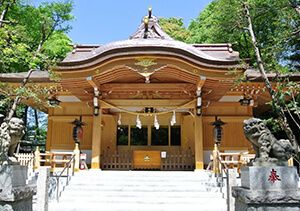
100	132
151	71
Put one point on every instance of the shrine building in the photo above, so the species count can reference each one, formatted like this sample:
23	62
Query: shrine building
148	102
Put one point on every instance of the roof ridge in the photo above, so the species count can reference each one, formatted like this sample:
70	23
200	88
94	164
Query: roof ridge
150	29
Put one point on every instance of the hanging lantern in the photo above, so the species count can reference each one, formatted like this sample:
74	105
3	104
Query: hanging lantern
199	102
53	101
246	101
218	130
78	130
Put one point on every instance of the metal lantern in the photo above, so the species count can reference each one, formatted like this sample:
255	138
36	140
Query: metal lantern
53	101
96	111
78	130
246	101
218	130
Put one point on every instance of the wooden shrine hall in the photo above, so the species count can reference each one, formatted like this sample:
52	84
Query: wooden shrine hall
149	102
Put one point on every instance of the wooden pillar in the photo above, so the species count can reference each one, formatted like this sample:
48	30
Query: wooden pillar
37	158
96	141
76	152
198	128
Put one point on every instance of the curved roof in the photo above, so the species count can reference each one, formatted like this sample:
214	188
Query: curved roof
150	39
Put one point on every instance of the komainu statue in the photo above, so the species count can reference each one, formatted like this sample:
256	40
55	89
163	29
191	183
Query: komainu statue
269	150
10	136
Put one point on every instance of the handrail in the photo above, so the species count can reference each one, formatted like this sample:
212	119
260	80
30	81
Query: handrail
67	167
222	163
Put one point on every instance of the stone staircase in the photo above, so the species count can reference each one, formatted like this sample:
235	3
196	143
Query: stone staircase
141	190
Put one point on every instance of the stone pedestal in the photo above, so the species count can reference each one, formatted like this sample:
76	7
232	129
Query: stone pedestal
14	193
268	188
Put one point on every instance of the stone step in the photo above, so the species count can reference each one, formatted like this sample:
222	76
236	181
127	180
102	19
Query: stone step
148	199
141	200
141	190
142	178
146	188
87	181
134	207
184	194
161	174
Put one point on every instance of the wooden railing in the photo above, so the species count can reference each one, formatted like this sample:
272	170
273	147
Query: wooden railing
178	160
25	159
231	160
119	160
235	159
56	160
123	160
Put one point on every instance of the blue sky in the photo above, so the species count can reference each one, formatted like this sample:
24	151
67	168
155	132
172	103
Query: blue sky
102	21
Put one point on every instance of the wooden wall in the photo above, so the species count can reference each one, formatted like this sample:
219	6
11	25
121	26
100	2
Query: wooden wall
60	130
60	127
233	134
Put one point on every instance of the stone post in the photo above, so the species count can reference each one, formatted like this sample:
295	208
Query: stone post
42	188
231	181
15	195
77	157
37	158
268	188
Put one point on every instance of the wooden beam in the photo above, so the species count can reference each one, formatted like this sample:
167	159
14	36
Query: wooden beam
116	87
201	82
148	103
91	82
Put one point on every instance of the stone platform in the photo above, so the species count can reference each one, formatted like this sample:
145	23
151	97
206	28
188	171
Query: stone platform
268	188
14	193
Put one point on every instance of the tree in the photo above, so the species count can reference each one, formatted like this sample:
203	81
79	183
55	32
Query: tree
175	28
268	38
277	100
275	23
33	37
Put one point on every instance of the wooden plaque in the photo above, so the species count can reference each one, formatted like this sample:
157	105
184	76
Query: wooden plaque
145	159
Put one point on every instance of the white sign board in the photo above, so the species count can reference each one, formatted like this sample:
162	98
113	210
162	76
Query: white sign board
83	156
163	154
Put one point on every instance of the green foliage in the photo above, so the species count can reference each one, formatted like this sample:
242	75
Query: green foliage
273	124
175	28
31	38
223	21
34	37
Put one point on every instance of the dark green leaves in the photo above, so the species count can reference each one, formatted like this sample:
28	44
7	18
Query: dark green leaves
35	37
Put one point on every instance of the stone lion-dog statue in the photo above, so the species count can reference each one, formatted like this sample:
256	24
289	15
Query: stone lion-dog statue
269	150
10	135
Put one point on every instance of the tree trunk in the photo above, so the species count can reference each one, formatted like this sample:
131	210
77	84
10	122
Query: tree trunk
18	98
282	117
25	121
295	6
36	118
3	14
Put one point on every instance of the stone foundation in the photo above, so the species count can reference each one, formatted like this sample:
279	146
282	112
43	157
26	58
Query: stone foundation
268	189
14	193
